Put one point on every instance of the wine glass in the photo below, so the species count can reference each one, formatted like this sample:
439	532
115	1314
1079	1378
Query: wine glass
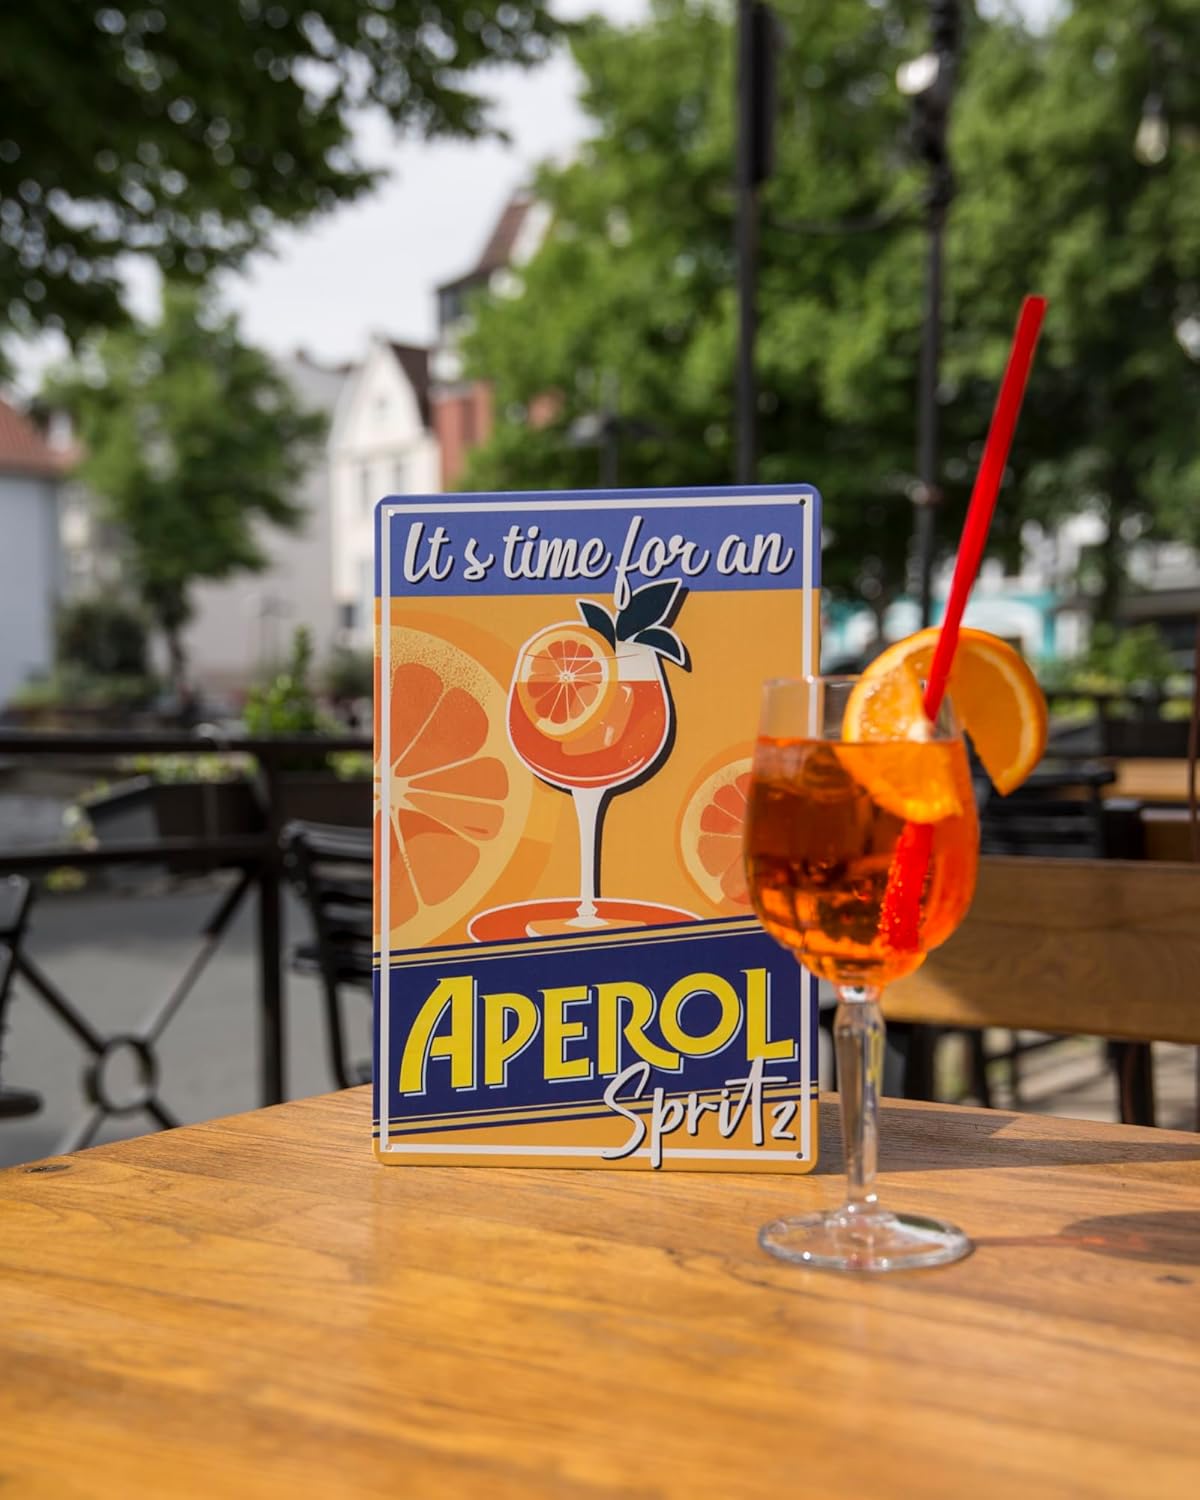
825	820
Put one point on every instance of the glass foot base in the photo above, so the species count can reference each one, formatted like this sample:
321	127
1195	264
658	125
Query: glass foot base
877	1241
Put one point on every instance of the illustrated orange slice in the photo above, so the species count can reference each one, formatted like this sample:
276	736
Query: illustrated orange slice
456	800
565	678
995	694
710	834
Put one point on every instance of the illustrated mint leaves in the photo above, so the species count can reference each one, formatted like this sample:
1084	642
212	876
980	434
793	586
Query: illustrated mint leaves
665	642
650	605
599	619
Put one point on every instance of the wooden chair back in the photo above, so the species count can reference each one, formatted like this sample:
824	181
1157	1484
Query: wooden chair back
1095	947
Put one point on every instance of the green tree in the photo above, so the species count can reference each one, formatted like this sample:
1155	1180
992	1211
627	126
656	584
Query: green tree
635	280
1076	199
190	438
630	300
185	132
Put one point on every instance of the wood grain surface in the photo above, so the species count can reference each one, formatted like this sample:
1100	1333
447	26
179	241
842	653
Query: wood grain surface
1090	947
254	1308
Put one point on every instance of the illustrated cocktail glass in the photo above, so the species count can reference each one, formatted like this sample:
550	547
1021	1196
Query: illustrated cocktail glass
825	817
589	719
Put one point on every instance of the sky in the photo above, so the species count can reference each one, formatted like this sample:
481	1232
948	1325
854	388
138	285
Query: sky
371	267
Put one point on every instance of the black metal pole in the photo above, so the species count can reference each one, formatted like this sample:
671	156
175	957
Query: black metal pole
746	246
610	455
933	117
271	1024
929	496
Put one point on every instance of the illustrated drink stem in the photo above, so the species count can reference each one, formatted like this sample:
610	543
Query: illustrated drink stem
587	809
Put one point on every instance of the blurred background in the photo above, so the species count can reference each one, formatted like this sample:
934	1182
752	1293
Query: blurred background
262	264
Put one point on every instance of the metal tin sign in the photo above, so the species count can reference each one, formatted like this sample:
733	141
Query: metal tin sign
569	972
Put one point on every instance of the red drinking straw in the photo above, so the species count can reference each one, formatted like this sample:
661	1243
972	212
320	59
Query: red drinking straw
900	915
983	496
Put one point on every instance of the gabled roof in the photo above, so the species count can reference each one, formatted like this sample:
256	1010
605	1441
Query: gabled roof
498	252
414	361
23	449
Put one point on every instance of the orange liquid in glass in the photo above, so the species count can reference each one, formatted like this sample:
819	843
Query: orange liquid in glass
617	747
819	849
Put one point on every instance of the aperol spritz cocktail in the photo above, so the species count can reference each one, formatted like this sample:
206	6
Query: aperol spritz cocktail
860	857
820	851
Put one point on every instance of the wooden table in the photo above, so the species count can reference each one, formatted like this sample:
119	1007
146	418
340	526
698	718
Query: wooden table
1156	781
254	1308
1162	787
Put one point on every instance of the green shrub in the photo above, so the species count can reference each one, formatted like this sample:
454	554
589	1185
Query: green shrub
286	704
1124	659
103	636
350	674
73	686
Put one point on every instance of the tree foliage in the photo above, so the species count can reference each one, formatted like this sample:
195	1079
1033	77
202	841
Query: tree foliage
1113	238
186	131
632	291
103	635
190	438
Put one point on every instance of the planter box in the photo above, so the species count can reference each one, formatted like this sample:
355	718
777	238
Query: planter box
320	797
141	810
1164	739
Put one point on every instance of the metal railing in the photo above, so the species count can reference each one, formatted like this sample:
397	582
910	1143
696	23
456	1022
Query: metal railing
256	855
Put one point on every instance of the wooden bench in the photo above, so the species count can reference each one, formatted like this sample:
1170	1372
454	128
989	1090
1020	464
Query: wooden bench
1106	948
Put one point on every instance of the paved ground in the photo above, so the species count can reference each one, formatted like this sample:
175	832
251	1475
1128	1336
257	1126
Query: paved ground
1072	1078
117	955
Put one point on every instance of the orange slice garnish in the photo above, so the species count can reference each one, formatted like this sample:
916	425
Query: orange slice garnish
458	803
566	676
710	834
889	748
995	694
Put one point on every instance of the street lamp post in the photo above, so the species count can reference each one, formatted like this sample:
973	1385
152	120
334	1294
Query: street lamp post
758	37
930	82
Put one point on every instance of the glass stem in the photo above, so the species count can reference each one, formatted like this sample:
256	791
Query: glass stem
858	1035
587	810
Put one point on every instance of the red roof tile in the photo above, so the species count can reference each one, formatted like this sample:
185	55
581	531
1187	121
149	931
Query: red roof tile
498	251
415	364
23	450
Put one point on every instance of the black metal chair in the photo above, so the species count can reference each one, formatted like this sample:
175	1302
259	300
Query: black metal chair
1051	827
330	869
1058	814
16	898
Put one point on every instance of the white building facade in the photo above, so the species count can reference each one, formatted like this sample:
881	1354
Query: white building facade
382	444
242	627
30	558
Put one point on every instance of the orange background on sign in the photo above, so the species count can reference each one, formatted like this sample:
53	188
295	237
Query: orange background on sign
735	640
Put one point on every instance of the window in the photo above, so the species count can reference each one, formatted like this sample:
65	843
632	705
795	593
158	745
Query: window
400	477
347	616
364	487
449	307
